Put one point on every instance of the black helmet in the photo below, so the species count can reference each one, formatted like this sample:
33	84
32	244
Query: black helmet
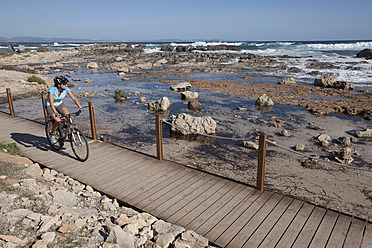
60	80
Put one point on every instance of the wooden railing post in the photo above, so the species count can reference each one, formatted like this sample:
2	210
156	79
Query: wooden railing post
261	162
43	98
92	120
10	101
159	137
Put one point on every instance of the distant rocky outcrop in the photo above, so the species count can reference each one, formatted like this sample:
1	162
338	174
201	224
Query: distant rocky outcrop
331	82
365	53
290	81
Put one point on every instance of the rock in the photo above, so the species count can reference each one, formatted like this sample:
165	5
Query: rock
118	236
343	85
192	239
188	95
289	81
161	227
204	125
63	229
194	107
142	99
344	141
34	171
64	197
300	147
250	145
366	53
285	133
164	239
181	87
364	134
344	156
324	140
264	101
162	104
92	65
331	82
241	109
143	66
325	81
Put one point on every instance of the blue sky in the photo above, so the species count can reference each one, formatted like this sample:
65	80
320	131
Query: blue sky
259	20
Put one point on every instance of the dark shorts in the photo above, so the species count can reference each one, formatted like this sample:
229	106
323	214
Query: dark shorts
58	108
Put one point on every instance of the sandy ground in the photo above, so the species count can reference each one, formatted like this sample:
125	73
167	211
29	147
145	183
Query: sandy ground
331	186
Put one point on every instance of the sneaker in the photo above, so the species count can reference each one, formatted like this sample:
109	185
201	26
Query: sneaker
53	138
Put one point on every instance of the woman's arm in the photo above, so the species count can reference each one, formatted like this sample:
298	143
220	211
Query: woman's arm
74	99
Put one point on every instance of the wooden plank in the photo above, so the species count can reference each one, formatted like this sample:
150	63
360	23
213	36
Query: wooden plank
167	203
339	231
148	189
324	231
196	202
222	212
355	235
126	179
133	182
188	198
271	220
252	224
308	231
188	220
229	219
367	239
179	189
241	221
117	166
295	227
215	207
283	223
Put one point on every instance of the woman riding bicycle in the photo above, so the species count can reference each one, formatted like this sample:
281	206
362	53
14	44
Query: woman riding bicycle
54	104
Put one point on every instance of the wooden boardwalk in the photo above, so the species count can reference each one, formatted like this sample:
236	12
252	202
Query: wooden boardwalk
227	213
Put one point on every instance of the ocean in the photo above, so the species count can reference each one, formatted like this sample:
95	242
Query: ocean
340	53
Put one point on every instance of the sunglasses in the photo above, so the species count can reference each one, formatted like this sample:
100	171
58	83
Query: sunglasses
64	83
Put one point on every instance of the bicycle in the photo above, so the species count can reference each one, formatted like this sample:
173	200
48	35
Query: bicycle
68	129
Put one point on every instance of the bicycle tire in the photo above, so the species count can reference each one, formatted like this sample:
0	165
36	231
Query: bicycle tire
79	144
48	128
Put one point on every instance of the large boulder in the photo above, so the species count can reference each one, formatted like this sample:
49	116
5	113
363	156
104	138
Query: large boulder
159	105
264	101
204	125
365	53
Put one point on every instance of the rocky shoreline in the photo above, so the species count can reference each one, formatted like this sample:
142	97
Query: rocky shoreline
40	207
175	61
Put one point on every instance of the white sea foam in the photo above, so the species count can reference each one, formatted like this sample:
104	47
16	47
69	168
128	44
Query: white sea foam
341	46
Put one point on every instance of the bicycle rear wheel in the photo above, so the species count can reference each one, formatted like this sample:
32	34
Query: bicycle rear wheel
79	144
48	129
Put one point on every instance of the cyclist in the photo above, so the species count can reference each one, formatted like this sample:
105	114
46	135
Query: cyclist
54	104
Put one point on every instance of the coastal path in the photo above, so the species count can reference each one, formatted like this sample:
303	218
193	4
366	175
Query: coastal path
227	213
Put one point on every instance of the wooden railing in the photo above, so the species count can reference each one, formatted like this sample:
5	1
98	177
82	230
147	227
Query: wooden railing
159	137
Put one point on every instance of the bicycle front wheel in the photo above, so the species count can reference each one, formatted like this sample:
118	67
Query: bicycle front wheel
56	143
79	144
